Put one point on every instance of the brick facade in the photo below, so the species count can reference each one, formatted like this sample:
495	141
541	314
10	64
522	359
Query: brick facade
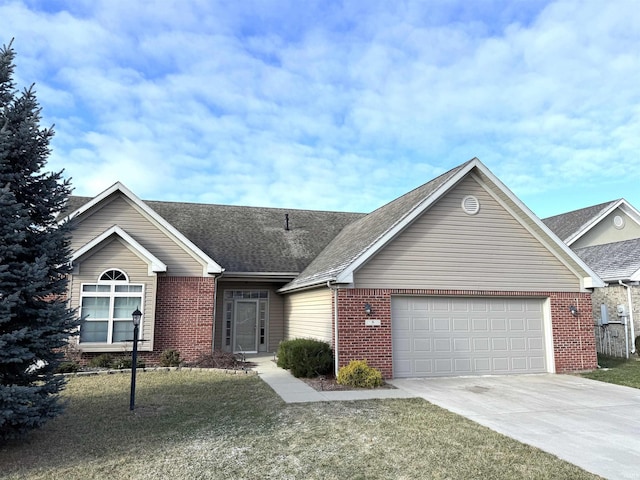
184	316
573	339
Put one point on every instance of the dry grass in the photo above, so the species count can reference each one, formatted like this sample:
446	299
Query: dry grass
201	425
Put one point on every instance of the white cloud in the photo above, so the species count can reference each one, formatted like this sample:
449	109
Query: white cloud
334	105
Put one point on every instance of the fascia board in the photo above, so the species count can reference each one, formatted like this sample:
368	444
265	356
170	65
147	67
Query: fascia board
346	276
212	267
630	210
155	265
594	279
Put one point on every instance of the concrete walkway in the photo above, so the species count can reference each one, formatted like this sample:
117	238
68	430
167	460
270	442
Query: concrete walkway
594	425
293	390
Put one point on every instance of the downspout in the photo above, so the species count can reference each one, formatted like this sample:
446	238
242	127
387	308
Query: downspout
633	333
335	327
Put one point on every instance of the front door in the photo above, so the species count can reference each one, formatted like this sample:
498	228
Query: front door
245	337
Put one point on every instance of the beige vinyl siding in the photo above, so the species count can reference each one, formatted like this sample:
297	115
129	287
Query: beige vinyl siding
275	311
118	211
309	314
445	248
115	254
606	232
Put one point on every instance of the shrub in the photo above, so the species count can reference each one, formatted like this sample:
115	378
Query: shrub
68	367
101	361
217	359
359	374
121	363
305	357
170	358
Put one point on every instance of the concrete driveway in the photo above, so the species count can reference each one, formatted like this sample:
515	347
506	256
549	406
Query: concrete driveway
591	424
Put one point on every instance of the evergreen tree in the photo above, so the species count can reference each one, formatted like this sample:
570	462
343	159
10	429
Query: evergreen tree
35	320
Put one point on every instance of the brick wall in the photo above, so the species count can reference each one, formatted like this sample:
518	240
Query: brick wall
573	338
184	316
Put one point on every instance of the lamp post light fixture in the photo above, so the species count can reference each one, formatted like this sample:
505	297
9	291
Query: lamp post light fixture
135	316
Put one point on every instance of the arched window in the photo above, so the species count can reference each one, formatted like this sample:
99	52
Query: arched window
106	307
114	275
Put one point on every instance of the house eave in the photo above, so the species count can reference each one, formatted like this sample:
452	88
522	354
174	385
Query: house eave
261	276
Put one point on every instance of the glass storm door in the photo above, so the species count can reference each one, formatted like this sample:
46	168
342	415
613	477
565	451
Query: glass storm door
245	337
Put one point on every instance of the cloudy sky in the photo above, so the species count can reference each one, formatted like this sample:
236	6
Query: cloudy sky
335	105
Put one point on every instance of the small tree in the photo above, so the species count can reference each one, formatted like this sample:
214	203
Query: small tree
35	321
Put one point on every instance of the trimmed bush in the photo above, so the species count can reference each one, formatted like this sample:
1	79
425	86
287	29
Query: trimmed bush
68	367
170	358
121	363
305	357
101	361
359	374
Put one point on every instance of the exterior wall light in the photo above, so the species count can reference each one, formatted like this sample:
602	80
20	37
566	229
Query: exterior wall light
574	310
367	309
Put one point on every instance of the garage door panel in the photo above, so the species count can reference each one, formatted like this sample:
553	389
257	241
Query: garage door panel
421	323
422	345
462	344
444	336
498	324
517	324
441	324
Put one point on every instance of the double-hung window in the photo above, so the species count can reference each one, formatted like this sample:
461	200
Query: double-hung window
106	307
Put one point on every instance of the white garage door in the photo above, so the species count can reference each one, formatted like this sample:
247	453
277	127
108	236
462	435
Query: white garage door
449	336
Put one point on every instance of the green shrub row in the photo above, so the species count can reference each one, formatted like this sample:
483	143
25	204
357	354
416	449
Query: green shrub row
107	360
305	357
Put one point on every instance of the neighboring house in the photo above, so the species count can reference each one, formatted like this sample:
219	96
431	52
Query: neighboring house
607	238
456	277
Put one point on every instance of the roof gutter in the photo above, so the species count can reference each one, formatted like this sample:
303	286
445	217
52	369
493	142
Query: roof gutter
630	306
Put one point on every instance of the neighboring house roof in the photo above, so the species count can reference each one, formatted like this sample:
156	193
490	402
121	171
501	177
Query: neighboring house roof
571	226
364	237
251	240
614	261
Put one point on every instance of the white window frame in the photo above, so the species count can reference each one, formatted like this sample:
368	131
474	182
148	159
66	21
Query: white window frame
112	294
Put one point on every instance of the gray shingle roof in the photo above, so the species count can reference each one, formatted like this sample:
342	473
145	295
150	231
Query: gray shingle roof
357	237
567	225
613	261
250	239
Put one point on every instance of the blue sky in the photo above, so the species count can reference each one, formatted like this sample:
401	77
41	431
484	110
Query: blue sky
335	105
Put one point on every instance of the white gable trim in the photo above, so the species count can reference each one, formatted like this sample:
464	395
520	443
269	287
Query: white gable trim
625	206
346	276
155	265
211	266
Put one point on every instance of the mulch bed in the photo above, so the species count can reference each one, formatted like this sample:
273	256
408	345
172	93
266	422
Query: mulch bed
328	383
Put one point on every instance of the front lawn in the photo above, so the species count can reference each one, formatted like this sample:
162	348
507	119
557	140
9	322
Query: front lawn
203	425
616	370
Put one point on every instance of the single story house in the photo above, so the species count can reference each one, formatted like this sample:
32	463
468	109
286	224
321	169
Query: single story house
456	277
607	238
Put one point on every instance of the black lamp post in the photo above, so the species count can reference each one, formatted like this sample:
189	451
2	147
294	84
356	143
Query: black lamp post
135	316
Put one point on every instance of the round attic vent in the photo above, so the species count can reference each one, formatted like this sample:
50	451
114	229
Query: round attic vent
470	205
618	222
